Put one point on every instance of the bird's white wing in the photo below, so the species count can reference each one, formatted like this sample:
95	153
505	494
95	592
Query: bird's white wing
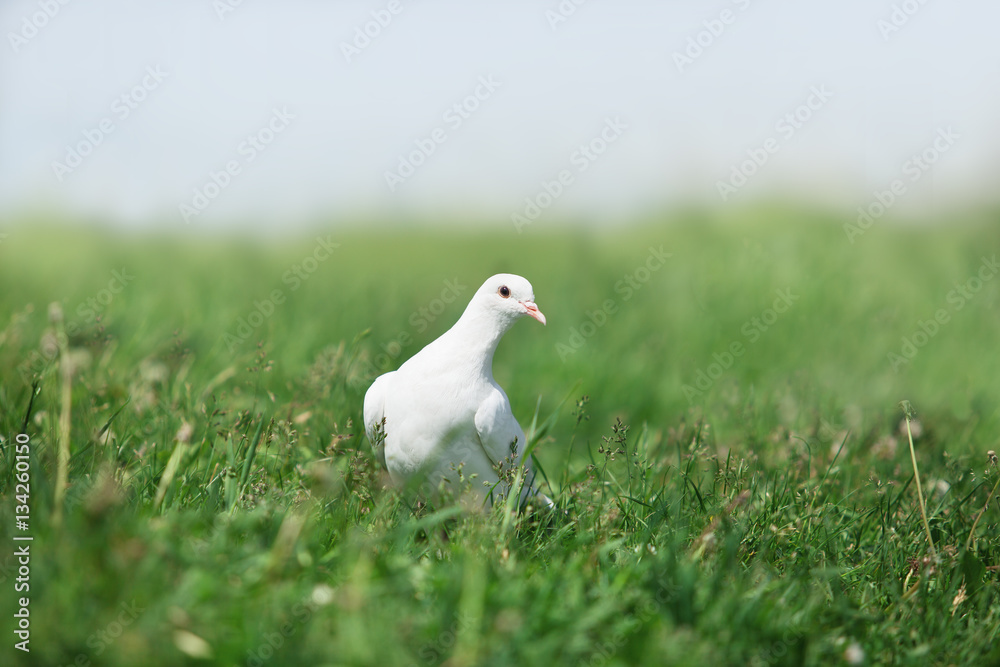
501	435
498	431
375	415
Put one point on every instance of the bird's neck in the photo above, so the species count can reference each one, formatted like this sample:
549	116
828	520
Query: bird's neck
476	335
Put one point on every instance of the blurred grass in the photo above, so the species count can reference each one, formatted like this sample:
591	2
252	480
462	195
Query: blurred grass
769	520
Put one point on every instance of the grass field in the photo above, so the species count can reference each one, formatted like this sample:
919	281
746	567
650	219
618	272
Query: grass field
721	429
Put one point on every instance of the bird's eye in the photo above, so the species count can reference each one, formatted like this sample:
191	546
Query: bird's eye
504	291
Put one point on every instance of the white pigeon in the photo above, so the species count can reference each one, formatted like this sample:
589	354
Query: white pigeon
442	412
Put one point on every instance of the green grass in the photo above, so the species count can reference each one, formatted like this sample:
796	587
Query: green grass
223	506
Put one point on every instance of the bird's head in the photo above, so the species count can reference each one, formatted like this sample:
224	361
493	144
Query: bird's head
510	297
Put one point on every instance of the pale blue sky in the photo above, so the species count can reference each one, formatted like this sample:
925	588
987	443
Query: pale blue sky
223	79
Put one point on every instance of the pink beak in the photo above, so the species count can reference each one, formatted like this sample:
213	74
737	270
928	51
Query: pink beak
533	311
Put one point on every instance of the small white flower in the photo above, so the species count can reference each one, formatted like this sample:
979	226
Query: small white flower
322	595
184	433
854	655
